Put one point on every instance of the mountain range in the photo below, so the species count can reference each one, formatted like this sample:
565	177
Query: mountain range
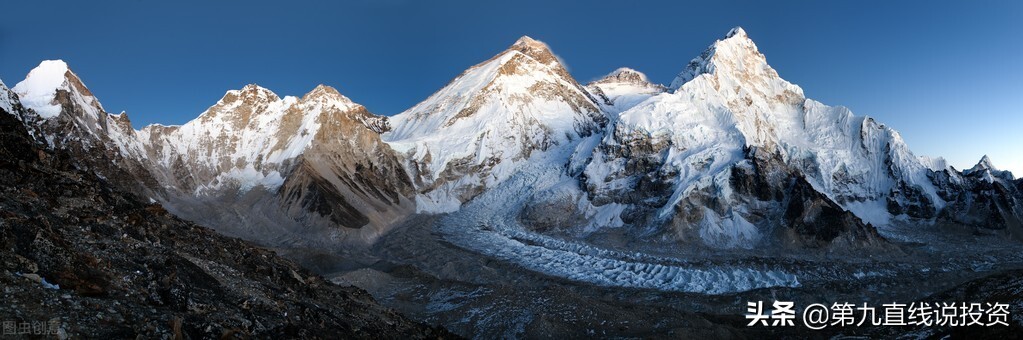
729	155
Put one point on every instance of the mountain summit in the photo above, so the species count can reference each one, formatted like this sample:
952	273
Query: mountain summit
312	161
624	75
731	116
623	88
535	49
476	130
41	86
983	164
735	58
65	115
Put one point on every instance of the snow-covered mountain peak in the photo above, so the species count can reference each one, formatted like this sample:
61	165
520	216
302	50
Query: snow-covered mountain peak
736	57
728	100
329	96
486	122
526	40
535	49
48	76
936	164
39	89
984	164
624	88
736	31
986	170
250	93
324	90
525	44
734	72
238	108
623	75
503	85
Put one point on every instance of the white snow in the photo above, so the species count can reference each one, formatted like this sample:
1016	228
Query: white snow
730	98
7	99
241	139
983	165
39	88
95	126
625	94
491	116
935	163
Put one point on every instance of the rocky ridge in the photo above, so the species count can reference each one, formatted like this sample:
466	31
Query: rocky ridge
84	259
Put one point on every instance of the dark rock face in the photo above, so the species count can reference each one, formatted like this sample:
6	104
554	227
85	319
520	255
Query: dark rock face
15	145
651	183
91	261
904	198
985	200
762	179
912	201
85	140
305	189
349	176
808	217
771	201
552	214
818	221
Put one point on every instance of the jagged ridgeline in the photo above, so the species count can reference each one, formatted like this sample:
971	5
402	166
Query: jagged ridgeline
729	155
83	258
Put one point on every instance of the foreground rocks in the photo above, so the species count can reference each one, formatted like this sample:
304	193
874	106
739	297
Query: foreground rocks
80	259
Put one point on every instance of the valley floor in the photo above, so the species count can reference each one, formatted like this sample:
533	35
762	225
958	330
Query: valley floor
422	271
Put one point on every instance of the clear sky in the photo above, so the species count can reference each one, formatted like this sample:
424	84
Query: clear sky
947	74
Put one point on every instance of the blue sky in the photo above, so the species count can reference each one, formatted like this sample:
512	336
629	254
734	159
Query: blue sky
947	74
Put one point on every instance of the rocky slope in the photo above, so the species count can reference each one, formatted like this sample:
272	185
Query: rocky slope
83	259
68	117
312	161
982	198
267	166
